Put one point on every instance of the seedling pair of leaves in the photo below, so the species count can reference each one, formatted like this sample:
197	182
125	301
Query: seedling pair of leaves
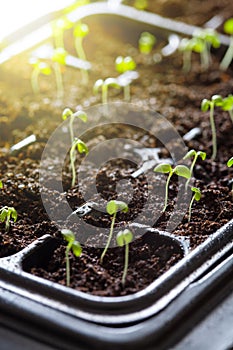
39	67
76	143
228	29
80	31
6	214
125	64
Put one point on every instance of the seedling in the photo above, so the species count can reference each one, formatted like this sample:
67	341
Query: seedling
59	26
59	59
6	214
216	100
230	162
146	42
227	105
67	113
125	64
209	37
38	68
196	197
1	184
180	170
81	147
80	31
187	46
104	85
195	155
72	245
227	58
123	238
112	208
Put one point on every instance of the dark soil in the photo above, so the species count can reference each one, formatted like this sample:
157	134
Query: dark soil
161	87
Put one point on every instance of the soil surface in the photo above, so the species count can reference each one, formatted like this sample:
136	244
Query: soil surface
162	87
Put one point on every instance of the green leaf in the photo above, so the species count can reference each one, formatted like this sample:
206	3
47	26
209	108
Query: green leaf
66	113
59	56
197	193
76	248
227	103
182	170
124	237
1	184
205	105
114	206
230	162
81	115
44	68
146	42
3	214
228	26
190	154
68	235
163	168
13	214
82	147
81	30
202	155
217	99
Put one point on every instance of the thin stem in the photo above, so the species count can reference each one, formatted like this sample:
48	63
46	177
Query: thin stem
68	264
34	81
127	93
190	208
166	190
79	48
7	224
72	164
59	82
71	128
213	129
109	238
205	58
191	169
126	263
228	56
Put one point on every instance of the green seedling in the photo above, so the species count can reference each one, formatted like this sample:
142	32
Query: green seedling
104	85
125	64
112	208
6	214
216	100
72	245
195	155
209	37
123	238
58	28
1	184
38	68
230	162
180	170
187	46
196	197
227	105
59	58
68	113
227	58
80	31
146	42
81	147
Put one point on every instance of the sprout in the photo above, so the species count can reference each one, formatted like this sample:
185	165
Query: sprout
1	184
187	46
80	31
195	154
124	238
104	85
230	162
59	58
6	214
81	147
146	42
72	245
38	68
196	197
180	170
67	113
125	64
112	208
59	26
209	37
228	28
216	100
227	105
